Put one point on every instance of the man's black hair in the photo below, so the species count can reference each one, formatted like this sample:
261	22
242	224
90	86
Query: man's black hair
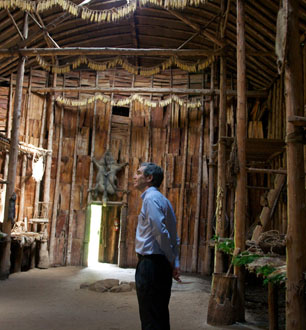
154	170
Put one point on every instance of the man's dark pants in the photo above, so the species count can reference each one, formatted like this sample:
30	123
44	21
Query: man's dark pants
153	286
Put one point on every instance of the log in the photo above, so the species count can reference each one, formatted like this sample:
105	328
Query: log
47	176
13	157
222	302
195	246
241	191
211	179
144	90
103	51
221	174
296	233
8	135
24	158
93	137
56	189
72	192
37	185
273	306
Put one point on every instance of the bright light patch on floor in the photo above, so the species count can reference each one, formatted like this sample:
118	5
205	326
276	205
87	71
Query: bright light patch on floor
94	238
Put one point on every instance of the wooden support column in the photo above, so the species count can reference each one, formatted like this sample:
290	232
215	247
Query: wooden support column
296	231
93	138
72	188
8	135
13	158
47	177
41	139
211	179
195	247
122	249
184	240
221	178
25	158
56	190
241	191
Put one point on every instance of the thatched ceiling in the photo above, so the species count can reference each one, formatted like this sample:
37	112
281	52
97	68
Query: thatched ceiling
153	27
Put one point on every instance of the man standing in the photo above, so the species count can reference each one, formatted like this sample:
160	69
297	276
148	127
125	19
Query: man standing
157	249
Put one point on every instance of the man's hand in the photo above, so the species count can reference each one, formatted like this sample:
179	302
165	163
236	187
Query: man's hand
176	274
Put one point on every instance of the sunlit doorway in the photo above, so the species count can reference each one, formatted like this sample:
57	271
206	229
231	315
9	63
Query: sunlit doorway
94	236
102	234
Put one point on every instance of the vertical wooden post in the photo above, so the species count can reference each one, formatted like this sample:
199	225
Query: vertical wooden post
8	135
47	177
122	248
56	189
25	158
211	178
296	231
41	139
221	178
93	138
195	247
273	306
72	188
241	191
13	158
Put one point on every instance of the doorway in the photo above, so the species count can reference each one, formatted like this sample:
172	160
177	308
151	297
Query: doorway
102	234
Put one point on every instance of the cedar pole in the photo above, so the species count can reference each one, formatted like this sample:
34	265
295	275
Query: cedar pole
221	179
25	158
47	177
13	157
122	248
195	248
241	191
93	138
8	135
56	189
296	231
41	139
72	188
211	178
180	224
144	90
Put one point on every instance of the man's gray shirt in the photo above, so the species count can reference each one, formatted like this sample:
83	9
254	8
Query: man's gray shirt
156	230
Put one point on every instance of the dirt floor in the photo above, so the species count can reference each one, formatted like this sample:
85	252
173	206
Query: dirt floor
52	299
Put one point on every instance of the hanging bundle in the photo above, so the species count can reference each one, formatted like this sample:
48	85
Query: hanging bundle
119	61
38	168
129	100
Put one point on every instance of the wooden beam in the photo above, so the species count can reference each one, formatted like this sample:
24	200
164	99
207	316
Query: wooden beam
145	90
197	28
297	120
265	170
105	51
15	24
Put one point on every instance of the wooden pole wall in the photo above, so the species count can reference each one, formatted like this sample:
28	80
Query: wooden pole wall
13	158
296	231
241	192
